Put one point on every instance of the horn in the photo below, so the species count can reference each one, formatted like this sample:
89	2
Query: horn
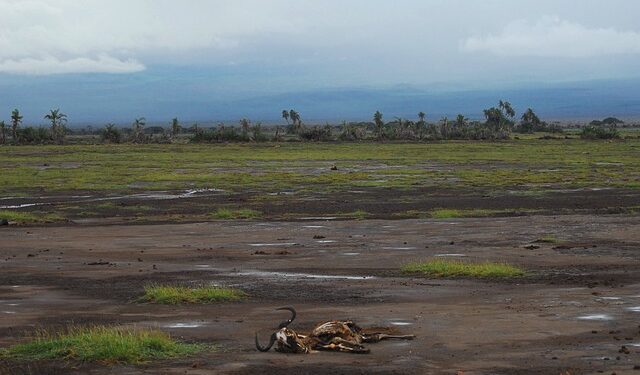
272	340
290	320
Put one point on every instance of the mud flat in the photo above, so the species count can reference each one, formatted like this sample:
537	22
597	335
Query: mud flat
574	310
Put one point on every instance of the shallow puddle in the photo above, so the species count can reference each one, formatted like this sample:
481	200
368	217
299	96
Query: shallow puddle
634	309
450	255
400	323
287	275
596	317
326	241
319	218
21	206
184	325
399	248
351	254
273	244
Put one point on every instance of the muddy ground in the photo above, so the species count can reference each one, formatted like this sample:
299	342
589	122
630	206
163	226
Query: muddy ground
576	312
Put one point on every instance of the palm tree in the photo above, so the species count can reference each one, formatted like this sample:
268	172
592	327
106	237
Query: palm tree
420	125
444	128
138	129
16	120
295	119
58	120
377	119
245	126
175	127
3	132
285	115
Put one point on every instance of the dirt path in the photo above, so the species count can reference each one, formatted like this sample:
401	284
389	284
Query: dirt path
573	312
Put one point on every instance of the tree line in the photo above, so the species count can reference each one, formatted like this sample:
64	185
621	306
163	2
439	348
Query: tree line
500	122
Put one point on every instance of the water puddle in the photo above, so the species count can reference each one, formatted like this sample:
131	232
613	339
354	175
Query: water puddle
611	298
609	163
282	193
634	309
326	241
351	254
184	325
8	312
438	222
21	206
596	317
313	226
272	244
203	266
159	195
288	275
401	323
399	248
450	255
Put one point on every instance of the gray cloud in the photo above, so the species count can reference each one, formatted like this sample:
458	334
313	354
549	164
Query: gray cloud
329	42
52	65
553	37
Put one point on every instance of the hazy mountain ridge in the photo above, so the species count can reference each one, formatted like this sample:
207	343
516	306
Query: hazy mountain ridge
101	98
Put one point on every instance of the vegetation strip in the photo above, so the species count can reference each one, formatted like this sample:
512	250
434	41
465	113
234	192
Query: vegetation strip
228	214
456	268
102	344
173	295
28	217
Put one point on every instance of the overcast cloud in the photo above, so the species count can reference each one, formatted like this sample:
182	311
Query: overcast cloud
422	39
554	37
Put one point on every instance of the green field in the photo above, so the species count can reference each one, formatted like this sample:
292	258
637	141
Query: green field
533	164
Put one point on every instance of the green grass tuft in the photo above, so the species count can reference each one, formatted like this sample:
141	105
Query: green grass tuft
28	217
454	214
103	344
173	295
358	214
244	213
453	268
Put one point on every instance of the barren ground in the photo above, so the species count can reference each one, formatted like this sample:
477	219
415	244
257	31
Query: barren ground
573	312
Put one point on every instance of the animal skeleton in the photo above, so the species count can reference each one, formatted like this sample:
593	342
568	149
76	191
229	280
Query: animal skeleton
334	335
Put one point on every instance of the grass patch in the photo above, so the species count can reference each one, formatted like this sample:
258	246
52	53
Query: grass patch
244	213
28	217
547	239
173	295
446	213
102	344
358	214
453	268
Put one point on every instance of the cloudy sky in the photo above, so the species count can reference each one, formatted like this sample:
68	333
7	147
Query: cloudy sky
257	47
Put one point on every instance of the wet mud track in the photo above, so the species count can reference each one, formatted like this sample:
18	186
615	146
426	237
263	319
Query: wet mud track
573	312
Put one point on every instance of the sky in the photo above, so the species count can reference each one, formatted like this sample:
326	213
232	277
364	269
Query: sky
59	52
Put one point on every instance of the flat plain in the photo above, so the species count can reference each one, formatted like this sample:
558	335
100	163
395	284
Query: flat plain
330	229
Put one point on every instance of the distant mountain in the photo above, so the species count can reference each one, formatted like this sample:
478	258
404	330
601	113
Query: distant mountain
204	97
